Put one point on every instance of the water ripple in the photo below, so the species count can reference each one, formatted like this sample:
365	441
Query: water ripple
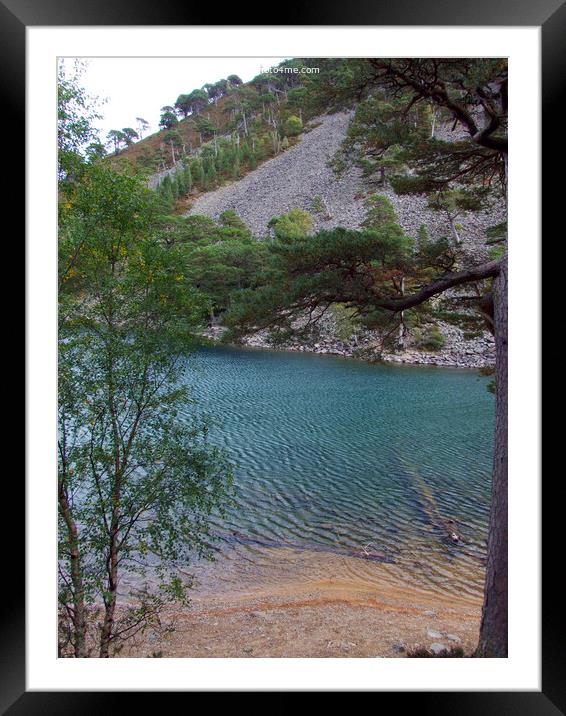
374	462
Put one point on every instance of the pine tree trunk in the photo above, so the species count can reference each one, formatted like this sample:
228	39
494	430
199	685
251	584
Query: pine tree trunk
401	339
493	631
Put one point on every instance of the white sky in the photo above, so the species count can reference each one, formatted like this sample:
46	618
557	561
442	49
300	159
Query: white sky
139	87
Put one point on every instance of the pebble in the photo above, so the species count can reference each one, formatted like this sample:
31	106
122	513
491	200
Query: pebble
434	634
437	648
342	645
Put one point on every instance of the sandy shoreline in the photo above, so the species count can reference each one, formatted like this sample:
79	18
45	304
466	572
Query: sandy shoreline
318	612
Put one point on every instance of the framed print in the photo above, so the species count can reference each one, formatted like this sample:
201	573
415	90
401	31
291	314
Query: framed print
267	296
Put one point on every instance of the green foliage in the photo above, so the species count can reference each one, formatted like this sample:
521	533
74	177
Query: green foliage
219	269
198	99
429	340
497	240
183	104
413	184
353	268
199	228
423	237
375	137
434	253
296	97
168	118
248	156
134	480
497	233
95	151
295	224
225	258
129	135
496	252
76	112
204	126
346	321
456	201
197	172
233	226
193	229
236	166
188	177
380	211
117	138
293	126
317	204
397	101
209	171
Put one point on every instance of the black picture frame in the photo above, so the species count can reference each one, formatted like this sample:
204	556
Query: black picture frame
15	16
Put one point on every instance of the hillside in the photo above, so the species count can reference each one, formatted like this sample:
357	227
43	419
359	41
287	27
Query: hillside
221	130
153	153
236	153
296	177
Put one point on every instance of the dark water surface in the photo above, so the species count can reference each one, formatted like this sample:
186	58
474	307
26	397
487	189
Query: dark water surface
387	464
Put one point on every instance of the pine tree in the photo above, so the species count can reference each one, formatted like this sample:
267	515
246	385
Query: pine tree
181	185
198	173
188	177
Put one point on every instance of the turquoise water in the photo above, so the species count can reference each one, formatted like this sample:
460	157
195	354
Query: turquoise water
387	464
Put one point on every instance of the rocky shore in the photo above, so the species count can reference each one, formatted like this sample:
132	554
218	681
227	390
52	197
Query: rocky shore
461	353
458	351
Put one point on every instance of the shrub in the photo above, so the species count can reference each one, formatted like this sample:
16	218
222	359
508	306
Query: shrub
431	340
293	126
317	204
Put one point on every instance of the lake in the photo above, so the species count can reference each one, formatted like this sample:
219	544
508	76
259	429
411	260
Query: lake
383	464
